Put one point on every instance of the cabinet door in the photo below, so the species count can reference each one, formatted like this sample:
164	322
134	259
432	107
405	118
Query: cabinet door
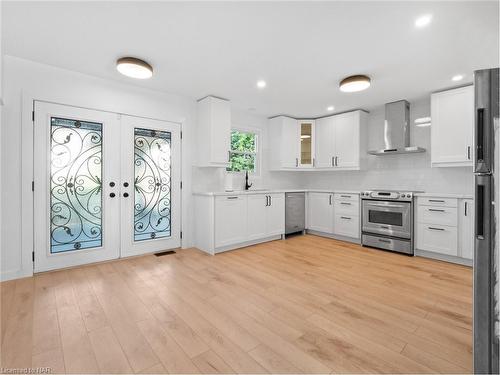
276	215
306	142
452	114
324	144
220	130
230	220
256	214
347	140
320	212
289	144
466	225
437	238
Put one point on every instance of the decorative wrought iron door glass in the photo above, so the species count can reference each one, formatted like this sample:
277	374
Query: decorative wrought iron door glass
75	185
152	182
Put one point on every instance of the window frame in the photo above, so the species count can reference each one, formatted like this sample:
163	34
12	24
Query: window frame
257	153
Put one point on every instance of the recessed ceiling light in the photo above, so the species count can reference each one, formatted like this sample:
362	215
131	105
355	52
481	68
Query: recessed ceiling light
261	84
423	21
134	68
458	77
355	83
330	108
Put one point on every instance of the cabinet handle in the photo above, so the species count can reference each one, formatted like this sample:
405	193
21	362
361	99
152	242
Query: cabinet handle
229	156
336	161
330	199
270	201
345	203
333	163
433	228
465	209
468	152
436	200
345	218
384	241
232	198
345	196
435	210
314	162
296	162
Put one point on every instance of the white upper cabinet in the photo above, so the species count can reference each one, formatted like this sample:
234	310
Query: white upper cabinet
325	142
214	132
452	114
348	140
306	141
339	141
284	143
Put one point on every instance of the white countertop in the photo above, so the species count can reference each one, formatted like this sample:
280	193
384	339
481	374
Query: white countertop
273	191
334	191
445	195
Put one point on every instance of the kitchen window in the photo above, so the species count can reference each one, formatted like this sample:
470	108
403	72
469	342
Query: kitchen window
244	151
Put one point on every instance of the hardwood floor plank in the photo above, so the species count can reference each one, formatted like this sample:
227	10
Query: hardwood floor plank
210	363
306	304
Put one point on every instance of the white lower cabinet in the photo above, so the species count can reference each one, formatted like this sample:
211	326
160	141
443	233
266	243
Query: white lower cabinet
230	220
275	215
440	239
334	213
227	222
320	212
466	225
444	226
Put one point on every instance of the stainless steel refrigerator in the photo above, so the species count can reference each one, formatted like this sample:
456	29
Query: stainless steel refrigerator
487	183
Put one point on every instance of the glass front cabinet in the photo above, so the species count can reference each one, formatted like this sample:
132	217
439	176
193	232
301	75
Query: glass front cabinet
306	144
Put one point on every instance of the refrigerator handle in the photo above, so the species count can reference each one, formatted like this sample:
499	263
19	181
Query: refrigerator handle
480	201
480	135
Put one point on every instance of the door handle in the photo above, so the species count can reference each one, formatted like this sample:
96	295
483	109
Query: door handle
480	135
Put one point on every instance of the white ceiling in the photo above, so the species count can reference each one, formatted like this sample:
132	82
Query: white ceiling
301	49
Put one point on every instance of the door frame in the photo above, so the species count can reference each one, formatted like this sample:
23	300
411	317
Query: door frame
27	170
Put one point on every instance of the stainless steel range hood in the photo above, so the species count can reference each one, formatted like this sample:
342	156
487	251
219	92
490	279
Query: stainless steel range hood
397	130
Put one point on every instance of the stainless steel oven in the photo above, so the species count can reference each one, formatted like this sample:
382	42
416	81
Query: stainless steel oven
387	220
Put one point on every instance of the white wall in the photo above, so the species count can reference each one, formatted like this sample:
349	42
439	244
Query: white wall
212	179
63	86
405	172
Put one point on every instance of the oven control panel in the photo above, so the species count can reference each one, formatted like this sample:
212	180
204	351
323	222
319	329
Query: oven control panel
387	195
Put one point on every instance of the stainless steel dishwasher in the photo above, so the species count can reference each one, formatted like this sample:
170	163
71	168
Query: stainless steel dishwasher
295	212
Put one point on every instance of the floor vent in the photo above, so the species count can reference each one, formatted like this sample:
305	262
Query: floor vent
165	253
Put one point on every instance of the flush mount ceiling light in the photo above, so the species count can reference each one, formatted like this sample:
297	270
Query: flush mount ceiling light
457	78
355	83
423	21
330	108
134	68
261	84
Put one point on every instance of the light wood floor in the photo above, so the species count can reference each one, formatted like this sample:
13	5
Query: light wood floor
303	305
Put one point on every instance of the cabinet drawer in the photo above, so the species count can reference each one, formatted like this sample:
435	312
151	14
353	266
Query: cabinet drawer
346	197
346	225
437	201
437	238
437	215
346	207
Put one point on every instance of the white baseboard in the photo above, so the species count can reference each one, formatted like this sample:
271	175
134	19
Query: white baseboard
334	236
443	257
15	274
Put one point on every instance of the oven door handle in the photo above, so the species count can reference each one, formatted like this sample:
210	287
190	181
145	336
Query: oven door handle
385	205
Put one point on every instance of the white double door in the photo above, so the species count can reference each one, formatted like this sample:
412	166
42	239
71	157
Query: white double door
105	186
